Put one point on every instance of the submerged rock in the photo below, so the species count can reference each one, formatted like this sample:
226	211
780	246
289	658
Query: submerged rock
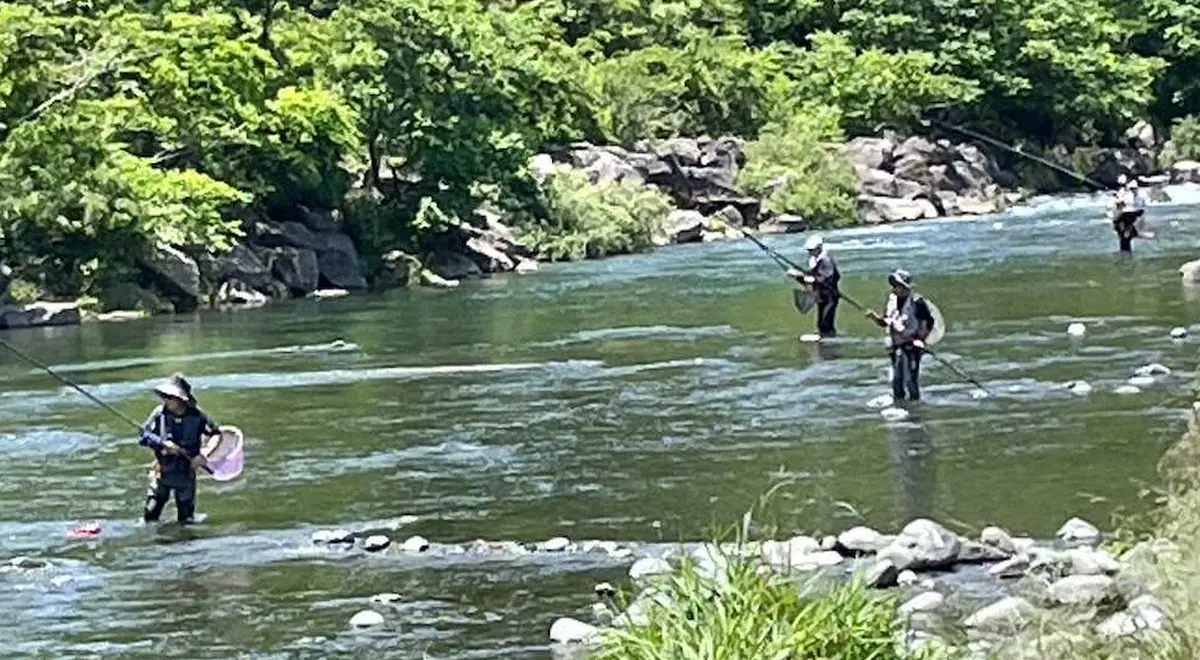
1179	332
366	619
386	598
1079	387
1142	381
1076	330
572	631
1127	389
1153	369
29	563
333	536
893	414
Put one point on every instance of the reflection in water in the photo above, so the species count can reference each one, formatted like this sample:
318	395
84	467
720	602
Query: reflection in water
914	469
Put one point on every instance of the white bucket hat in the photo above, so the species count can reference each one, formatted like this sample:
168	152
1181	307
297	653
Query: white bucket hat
814	242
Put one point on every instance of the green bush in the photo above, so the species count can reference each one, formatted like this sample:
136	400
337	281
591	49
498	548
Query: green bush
1185	141
586	221
752	616
802	169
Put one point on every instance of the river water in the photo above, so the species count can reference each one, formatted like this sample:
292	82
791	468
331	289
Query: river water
640	398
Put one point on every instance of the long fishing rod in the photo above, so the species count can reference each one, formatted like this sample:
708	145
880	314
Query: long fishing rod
961	374
1019	152
69	383
786	263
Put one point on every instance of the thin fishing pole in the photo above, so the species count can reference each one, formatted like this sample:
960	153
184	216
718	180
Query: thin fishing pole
69	383
955	369
785	263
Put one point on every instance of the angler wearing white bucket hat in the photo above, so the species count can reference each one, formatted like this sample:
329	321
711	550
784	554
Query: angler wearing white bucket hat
176	432
822	278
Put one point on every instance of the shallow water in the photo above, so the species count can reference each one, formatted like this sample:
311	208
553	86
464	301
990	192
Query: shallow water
638	398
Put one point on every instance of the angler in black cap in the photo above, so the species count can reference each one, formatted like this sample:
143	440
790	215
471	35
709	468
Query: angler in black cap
908	322
177	431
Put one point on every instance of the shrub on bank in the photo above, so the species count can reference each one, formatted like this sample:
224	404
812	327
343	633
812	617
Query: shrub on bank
758	616
801	171
1185	141
589	221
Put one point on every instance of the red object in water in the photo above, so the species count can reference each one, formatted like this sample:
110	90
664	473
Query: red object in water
88	531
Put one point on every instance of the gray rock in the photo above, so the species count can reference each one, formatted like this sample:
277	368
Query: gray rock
40	314
296	268
297	235
556	544
929	545
970	552
1083	590
376	542
415	544
1008	569
829	542
998	538
907	579
881	574
1190	272
29	563
453	266
1141	135
1153	369
238	293
572	631
870	153
1185	171
1086	561
338	262
877	182
1076	530
318	219
648	567
176	269
241	263
816	560
878	210
331	536
684	226
861	541
366	619
925	602
1004	616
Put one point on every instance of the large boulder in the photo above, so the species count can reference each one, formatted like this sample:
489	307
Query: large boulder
877	182
178	272
684	151
39	314
923	545
871	153
453	265
337	261
297	268
684	226
878	210
242	264
269	233
1141	135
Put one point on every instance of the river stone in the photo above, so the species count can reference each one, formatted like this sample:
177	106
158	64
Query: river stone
1086	561
929	545
648	567
816	560
376	542
1076	329
1127	389
329	536
972	552
1190	272
882	574
366	619
572	631
1079	387
1179	332
894	414
1142	381
1085	590
386	598
1004	616
926	602
861	541
415	544
998	538
556	544
907	579
1010	568
1153	369
829	542
1077	530
28	563
870	152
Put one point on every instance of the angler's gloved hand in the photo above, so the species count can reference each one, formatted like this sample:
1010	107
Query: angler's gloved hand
151	440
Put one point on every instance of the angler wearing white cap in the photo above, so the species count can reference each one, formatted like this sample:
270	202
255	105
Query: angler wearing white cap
822	277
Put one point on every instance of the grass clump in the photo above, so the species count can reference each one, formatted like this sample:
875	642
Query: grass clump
588	221
745	613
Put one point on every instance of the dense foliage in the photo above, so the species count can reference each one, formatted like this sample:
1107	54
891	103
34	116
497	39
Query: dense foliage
125	124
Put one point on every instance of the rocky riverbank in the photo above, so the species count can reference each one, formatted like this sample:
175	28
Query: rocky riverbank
300	252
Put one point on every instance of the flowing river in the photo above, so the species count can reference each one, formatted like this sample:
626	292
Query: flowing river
643	398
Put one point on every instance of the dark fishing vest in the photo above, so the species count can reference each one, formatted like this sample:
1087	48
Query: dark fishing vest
186	430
